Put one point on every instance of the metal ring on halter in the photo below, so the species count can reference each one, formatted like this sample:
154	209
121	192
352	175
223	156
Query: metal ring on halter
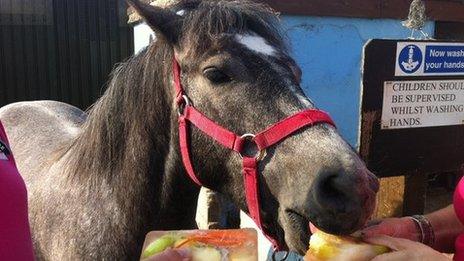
287	253
261	154
181	106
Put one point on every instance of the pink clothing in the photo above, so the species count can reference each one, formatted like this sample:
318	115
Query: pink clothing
458	203
15	236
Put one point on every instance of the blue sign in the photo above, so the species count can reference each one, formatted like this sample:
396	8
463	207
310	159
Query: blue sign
444	59
410	59
429	58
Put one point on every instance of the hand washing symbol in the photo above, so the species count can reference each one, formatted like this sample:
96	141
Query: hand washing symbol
410	59
411	64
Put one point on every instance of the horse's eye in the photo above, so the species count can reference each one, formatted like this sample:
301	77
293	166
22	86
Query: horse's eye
216	76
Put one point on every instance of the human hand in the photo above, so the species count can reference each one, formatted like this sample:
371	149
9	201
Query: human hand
406	250
395	227
172	255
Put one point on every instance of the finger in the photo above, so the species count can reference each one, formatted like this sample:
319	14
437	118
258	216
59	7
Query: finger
393	256
375	230
373	222
392	242
402	228
313	228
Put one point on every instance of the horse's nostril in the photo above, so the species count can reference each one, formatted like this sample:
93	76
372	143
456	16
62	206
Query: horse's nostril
332	191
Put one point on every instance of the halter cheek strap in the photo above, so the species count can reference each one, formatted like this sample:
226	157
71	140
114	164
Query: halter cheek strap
263	140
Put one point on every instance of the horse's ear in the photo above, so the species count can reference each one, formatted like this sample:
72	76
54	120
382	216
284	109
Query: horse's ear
164	22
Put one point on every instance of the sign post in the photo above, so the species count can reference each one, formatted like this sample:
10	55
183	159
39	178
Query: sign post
413	112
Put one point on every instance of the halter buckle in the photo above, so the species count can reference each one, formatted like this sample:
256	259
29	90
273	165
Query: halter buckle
182	104
261	154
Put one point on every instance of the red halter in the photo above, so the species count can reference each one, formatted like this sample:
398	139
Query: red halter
232	141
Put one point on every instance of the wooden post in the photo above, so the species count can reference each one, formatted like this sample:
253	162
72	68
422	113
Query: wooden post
415	194
390	198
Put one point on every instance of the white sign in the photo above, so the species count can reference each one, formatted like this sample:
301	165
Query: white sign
427	59
416	104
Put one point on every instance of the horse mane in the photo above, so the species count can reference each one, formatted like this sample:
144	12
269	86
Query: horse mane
120	131
128	123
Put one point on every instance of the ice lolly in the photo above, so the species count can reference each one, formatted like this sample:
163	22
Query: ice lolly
326	247
204	245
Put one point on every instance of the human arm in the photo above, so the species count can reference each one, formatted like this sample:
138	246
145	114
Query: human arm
444	222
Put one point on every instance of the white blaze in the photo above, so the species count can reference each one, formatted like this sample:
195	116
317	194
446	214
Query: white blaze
256	43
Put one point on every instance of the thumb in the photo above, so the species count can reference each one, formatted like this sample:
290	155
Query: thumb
377	230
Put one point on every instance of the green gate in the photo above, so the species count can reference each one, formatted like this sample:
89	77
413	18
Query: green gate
60	49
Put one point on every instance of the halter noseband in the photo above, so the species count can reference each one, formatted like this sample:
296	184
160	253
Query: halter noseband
263	140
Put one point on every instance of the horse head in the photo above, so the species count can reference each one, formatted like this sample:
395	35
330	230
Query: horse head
237	70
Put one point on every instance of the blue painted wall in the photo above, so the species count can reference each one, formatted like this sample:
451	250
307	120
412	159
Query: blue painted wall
329	51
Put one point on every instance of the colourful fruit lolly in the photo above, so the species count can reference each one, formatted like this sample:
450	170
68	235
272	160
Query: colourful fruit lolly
204	245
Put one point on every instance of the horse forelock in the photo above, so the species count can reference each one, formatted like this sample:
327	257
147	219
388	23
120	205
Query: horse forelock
204	22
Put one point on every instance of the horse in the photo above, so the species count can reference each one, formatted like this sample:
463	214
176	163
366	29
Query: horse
99	181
